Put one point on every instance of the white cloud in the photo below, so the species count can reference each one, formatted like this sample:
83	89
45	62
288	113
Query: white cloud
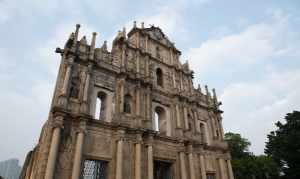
47	57
252	108
169	16
257	43
34	9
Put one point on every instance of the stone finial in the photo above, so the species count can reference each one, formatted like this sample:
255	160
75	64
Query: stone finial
134	24
93	40
214	93
83	40
92	49
72	36
199	88
187	64
206	90
77	32
124	32
104	46
143	25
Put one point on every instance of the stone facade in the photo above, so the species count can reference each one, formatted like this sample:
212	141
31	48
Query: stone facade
132	110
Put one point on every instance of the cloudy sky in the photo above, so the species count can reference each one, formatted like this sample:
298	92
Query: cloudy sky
249	51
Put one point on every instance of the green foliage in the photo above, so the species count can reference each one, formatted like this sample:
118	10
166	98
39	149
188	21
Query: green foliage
284	145
245	165
239	147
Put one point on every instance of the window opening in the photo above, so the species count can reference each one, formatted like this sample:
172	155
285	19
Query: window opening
127	103
159	77
160	122
210	176
95	169
100	106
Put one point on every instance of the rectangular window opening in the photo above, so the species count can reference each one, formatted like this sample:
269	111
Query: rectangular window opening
94	169
210	176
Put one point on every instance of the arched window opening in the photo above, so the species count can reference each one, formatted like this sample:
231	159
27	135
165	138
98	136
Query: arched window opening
127	103
100	106
160	122
202	132
159	77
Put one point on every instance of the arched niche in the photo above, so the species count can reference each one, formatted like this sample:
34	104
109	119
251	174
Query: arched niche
127	105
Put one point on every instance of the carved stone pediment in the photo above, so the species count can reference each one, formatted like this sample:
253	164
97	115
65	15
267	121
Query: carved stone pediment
157	34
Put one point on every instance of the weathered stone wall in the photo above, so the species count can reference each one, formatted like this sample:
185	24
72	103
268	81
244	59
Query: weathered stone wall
140	78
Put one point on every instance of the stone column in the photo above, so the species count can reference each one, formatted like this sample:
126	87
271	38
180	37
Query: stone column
84	107
92	49
191	162
146	43
178	120
197	122
202	167
147	66
181	82
229	168
221	127
138	40
86	86
137	168
174	78
214	127
186	122
171	56
67	76
109	107
149	107
150	161
191	85
76	33
182	165
138	62
168	124
121	95
78	152
123	56
137	105
119	162
53	152
222	169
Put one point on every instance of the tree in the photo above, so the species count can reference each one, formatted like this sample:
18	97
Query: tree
238	146
284	145
245	165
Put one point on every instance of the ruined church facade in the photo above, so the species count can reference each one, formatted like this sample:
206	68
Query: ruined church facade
129	113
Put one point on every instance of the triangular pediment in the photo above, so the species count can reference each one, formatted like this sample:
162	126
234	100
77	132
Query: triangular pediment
157	34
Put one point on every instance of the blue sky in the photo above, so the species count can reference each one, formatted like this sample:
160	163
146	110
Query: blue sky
248	50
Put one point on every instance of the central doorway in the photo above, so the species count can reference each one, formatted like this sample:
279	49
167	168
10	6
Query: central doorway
162	170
